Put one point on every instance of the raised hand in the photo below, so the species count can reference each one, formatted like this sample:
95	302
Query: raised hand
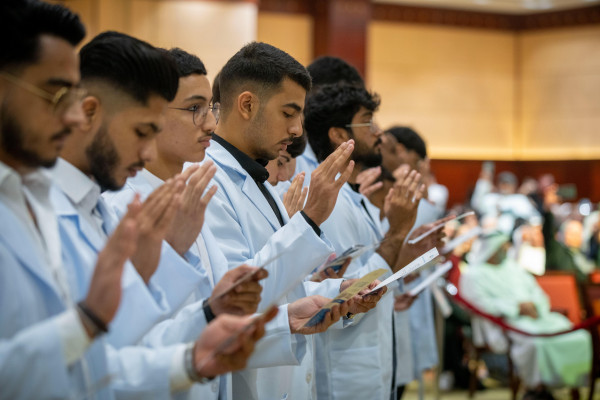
294	198
300	311
228	342
188	221
154	220
242	299
104	294
402	201
400	207
367	181
324	187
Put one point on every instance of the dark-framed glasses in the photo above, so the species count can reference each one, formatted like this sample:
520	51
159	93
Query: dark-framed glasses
64	98
373	128
199	113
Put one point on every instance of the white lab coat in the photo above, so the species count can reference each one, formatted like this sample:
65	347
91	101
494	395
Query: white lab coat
189	322
32	363
357	362
248	231
138	372
422	327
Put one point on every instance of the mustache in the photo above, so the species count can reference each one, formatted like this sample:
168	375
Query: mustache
61	134
139	164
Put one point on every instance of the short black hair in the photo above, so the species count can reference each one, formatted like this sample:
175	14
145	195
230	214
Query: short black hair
409	138
333	106
187	64
216	88
298	145
22	22
261	68
130	65
328	70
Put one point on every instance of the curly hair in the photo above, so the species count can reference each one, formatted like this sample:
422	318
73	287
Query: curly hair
333	106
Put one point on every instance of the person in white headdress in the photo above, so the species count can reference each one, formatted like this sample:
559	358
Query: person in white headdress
498	285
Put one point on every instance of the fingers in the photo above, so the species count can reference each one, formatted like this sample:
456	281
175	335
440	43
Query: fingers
343	269
369	190
302	198
121	245
185	174
345	175
339	159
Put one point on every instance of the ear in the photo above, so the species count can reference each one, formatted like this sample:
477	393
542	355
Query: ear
91	109
247	105
337	136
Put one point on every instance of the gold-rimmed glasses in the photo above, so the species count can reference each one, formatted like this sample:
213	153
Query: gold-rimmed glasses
60	101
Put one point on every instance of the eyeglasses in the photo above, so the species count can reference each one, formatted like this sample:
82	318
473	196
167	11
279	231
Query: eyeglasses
373	128
64	98
200	113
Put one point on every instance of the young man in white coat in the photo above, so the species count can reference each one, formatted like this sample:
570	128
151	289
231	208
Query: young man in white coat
190	120
333	115
262	92
130	84
47	347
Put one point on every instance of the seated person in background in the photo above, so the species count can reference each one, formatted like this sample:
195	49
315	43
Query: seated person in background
497	285
502	199
563	248
528	247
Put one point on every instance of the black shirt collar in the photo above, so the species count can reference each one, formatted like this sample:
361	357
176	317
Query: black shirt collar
255	168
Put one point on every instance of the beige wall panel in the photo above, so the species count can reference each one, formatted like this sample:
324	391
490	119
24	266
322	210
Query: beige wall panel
560	93
212	30
454	86
289	32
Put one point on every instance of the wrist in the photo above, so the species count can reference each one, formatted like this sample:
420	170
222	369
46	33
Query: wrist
190	366
208	312
93	325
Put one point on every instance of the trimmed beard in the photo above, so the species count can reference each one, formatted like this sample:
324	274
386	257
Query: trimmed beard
12	140
103	159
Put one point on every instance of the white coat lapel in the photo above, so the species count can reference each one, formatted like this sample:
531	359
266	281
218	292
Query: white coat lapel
251	190
356	199
18	239
65	210
230	165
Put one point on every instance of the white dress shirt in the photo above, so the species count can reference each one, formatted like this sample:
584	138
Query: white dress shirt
27	196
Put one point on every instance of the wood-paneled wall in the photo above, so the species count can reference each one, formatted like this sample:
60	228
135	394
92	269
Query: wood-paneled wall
459	176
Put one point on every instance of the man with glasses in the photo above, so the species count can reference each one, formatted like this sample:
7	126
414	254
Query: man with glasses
185	139
47	343
335	114
130	84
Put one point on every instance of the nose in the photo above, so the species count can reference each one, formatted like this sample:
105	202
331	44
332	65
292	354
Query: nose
296	129
148	151
377	131
210	123
73	115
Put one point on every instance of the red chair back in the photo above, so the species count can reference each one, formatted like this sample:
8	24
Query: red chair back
561	288
594	276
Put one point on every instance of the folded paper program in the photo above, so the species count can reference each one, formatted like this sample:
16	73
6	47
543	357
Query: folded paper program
413	266
346	295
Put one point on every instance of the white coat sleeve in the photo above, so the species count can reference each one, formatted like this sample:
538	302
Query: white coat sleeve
304	250
32	364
